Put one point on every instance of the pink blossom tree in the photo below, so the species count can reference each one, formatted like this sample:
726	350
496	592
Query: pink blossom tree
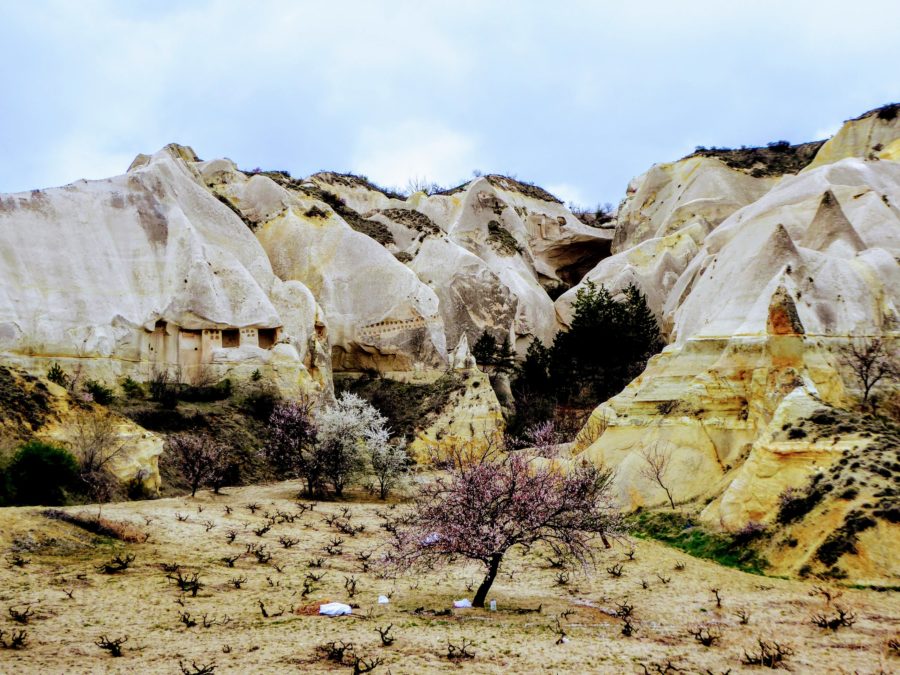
482	509
197	456
291	443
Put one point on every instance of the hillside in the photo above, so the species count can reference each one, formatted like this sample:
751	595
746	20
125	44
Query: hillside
761	266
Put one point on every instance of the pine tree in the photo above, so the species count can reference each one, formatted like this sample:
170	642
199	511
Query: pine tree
608	344
642	331
534	373
504	358
484	350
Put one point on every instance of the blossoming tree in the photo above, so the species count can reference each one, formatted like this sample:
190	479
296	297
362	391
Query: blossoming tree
482	509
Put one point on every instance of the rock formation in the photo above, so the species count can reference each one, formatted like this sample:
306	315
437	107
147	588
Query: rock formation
204	271
760	263
147	271
757	319
871	135
472	415
668	211
32	408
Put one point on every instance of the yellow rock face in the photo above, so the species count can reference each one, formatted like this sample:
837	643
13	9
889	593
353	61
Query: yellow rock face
63	421
867	136
673	195
472	415
141	449
758	317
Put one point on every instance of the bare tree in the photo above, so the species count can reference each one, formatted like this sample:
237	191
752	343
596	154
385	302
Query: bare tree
657	458
871	360
95	442
197	456
593	428
459	454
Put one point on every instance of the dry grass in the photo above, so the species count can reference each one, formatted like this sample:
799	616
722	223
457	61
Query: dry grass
146	605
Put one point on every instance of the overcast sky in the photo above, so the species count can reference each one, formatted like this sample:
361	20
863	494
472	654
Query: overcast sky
578	97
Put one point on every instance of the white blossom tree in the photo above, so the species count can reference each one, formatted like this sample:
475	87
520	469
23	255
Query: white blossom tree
387	459
346	430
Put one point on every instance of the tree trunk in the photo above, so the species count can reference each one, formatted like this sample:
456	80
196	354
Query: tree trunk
669	495
493	567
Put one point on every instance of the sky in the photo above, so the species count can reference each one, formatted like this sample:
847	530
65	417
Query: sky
578	97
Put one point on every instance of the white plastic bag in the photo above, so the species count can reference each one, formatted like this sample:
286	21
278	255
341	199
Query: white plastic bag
383	600
462	604
335	609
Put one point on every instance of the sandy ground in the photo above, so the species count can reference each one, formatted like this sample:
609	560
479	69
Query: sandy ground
142	604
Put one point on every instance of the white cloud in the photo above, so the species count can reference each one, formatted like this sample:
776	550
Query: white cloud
827	132
568	193
90	157
415	149
582	94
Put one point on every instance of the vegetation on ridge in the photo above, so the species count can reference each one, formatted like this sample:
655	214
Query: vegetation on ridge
775	159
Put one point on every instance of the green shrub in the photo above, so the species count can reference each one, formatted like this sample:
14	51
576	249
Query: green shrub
163	389
24	400
57	375
132	388
683	533
6	493
166	420
42	474
503	242
794	504
99	392
136	489
207	393
843	540
260	403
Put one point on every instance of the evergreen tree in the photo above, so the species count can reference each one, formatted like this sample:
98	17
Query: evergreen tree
504	358
534	373
485	349
607	345
532	390
498	357
642	331
584	359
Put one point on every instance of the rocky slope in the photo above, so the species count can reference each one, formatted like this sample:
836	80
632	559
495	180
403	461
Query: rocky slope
668	211
760	263
757	316
197	269
480	257
34	409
